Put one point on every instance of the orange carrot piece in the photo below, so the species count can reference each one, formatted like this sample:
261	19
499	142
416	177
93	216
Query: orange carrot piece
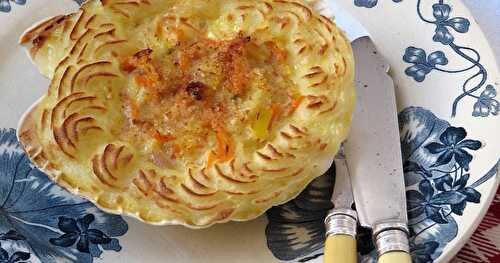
225	145
225	148
162	138
295	104
276	114
212	157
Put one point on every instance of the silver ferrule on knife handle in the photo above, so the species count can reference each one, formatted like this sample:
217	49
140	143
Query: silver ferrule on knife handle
391	237
341	222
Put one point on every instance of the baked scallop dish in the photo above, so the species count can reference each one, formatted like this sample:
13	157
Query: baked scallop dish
190	112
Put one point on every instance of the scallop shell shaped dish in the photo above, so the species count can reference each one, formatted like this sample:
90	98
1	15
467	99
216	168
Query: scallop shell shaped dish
114	63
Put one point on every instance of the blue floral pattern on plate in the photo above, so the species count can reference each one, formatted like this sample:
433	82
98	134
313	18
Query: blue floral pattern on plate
436	159
422	64
477	75
296	228
486	103
476	85
370	3
40	221
17	256
6	7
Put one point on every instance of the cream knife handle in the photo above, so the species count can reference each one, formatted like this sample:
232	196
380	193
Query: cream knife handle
394	257
392	243
340	249
340	244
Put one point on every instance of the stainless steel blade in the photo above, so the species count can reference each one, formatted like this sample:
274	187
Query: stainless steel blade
341	220
342	197
373	148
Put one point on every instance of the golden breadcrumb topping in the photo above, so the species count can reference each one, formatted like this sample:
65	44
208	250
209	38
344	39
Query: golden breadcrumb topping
199	88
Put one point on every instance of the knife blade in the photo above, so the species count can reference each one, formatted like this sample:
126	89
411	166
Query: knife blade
341	221
342	197
374	153
373	145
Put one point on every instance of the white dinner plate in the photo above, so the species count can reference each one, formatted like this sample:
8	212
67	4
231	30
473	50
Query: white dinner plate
447	81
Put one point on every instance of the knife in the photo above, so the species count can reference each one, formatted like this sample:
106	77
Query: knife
373	162
341	221
374	156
